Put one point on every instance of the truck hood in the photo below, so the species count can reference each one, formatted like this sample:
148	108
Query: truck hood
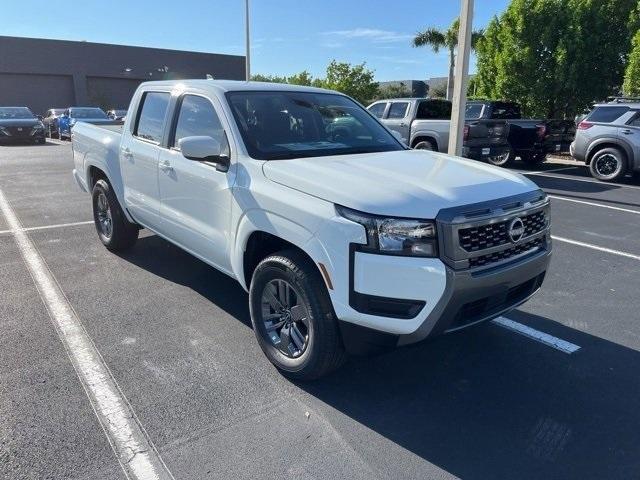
409	183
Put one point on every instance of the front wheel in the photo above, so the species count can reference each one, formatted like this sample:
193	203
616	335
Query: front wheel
608	165
292	317
114	230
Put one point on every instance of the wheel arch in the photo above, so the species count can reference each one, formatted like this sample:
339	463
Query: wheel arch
426	137
598	145
257	239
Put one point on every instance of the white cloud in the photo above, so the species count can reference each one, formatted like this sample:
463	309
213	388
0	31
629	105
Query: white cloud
371	34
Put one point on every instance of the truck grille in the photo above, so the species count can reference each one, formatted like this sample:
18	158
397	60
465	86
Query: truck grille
488	259
19	132
495	234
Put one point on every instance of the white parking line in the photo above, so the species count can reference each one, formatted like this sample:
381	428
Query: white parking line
596	247
628	210
549	340
134	450
47	227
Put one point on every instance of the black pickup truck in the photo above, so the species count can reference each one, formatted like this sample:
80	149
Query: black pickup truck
526	136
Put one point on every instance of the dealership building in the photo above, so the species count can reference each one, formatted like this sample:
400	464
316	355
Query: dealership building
43	74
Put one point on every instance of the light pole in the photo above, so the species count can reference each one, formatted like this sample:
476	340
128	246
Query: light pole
248	46
461	79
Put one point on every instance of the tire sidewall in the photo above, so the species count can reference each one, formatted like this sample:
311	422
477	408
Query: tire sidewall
275	268
102	187
620	171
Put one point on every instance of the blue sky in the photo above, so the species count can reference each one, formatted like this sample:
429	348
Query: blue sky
288	36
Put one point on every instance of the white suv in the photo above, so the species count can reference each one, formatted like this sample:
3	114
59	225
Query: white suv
346	240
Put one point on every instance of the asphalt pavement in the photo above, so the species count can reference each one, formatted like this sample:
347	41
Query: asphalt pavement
488	402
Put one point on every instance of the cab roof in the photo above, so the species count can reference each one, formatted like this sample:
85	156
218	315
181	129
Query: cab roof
236	86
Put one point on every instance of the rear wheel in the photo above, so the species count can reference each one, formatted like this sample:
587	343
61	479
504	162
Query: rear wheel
608	164
425	145
292	317
114	230
503	159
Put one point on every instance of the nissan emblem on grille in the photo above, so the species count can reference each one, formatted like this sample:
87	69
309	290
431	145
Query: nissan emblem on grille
516	230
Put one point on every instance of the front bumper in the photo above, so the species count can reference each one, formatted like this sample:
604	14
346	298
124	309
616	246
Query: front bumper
393	300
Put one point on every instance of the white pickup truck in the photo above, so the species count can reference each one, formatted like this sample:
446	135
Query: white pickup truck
346	240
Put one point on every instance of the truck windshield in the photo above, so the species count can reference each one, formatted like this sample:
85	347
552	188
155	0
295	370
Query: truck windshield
15	112
280	124
87	113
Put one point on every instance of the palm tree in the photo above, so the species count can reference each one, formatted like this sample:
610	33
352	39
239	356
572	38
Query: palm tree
437	39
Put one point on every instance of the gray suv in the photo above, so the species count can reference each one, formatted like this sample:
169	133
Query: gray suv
608	140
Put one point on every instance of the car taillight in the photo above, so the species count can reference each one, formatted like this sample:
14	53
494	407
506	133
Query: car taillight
584	125
465	134
541	131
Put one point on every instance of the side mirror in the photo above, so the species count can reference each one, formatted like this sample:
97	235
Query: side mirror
204	149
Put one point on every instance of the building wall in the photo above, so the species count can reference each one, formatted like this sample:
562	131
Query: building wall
44	74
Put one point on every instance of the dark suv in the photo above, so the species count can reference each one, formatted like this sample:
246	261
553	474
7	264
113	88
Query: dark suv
608	140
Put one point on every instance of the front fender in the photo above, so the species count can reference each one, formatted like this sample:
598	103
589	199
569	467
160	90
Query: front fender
257	220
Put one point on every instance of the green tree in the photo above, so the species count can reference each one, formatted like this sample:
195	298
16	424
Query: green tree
554	57
357	81
631	84
437	39
258	77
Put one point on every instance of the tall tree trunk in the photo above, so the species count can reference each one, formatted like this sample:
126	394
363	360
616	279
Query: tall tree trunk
452	61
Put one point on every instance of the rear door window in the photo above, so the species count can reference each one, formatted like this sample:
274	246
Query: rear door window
378	109
398	110
607	114
434	110
151	118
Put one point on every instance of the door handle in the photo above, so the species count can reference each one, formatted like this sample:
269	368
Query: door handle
165	166
126	152
627	131
403	124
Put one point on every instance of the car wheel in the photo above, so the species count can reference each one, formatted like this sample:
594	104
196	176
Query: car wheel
608	164
114	230
293	318
502	160
425	145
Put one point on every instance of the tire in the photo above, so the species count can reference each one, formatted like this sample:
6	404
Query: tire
425	145
608	164
114	230
504	160
302	341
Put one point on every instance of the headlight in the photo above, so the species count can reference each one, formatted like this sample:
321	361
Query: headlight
4	131
38	126
395	236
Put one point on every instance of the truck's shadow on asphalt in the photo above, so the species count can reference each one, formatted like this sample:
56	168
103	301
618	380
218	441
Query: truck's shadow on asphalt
483	403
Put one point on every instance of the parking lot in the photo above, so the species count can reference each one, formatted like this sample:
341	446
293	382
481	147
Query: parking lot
551	391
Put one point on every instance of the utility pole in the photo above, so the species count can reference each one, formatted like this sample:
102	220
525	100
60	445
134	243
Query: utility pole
461	79
248	47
